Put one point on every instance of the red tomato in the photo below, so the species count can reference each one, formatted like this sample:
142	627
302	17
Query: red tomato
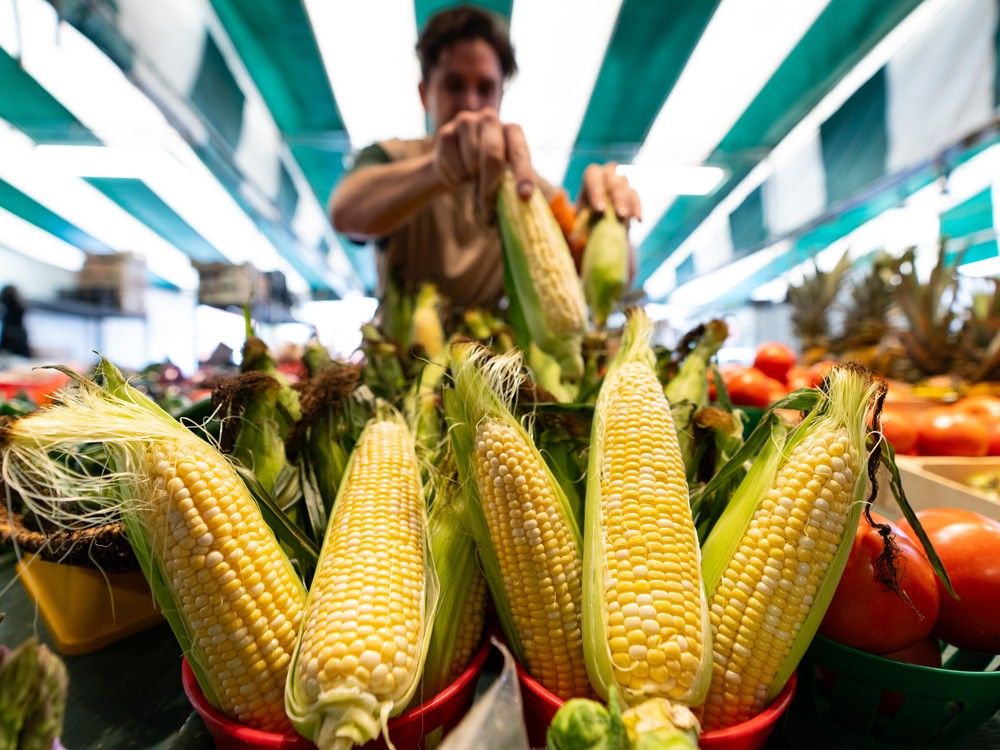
933	519
924	653
869	616
753	388
970	553
899	430
775	360
801	377
993	431
980	406
947	432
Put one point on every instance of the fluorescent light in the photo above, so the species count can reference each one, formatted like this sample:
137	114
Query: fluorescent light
662	179
26	239
85	81
798	137
752	38
103	161
560	48
8	28
368	51
775	290
982	269
87	208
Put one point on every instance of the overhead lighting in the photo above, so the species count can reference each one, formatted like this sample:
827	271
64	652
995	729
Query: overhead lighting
650	179
549	104
84	206
754	37
85	81
704	289
375	82
24	238
907	29
104	161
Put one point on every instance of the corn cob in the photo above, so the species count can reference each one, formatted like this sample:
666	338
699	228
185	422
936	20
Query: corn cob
229	592
645	614
364	637
527	538
773	560
539	266
427	329
605	265
458	624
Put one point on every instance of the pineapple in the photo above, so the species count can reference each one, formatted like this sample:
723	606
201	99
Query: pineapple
866	317
979	339
811	301
929	338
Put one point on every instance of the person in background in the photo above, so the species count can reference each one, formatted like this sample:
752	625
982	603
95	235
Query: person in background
427	203
13	335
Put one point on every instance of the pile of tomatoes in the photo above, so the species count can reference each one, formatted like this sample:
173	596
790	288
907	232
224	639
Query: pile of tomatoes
970	427
907	625
775	373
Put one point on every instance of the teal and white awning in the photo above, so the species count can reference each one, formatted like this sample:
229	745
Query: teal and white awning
817	115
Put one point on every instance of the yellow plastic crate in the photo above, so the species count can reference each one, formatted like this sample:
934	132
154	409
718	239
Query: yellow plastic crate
84	609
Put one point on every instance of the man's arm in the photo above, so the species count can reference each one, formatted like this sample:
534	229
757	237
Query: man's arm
374	200
474	147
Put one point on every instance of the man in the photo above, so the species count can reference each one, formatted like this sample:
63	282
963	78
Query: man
427	202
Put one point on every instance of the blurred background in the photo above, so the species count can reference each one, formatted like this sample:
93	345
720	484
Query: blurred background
161	163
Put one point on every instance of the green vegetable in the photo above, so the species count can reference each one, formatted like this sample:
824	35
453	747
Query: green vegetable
32	697
605	265
583	724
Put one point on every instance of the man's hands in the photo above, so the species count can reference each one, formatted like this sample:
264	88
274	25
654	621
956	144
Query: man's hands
601	183
476	147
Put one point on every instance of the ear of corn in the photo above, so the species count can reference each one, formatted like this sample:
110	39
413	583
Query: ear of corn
605	265
773	560
428	332
458	624
368	617
218	574
645	615
528	541
546	288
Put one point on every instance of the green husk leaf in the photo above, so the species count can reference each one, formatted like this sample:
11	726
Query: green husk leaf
605	265
888	459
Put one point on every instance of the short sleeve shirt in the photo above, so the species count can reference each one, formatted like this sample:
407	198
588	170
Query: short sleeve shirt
449	241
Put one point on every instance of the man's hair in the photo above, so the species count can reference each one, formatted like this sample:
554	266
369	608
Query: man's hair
460	24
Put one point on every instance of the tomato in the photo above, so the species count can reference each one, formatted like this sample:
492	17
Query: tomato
993	432
899	430
801	377
775	360
933	519
869	616
948	432
924	653
970	552
980	406
753	388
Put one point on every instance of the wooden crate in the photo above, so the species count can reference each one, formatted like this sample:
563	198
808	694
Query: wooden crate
934	482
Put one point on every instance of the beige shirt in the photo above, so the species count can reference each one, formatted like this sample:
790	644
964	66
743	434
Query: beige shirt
449	242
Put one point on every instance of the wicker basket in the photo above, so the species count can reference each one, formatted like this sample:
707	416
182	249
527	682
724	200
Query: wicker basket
102	547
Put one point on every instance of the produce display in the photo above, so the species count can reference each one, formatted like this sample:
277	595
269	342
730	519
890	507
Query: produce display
330	546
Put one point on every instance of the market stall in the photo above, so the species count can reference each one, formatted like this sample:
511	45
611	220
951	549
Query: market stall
523	470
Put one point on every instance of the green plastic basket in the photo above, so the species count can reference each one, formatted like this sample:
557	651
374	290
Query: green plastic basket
843	687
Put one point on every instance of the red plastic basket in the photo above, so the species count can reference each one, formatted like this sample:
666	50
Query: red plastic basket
408	730
540	705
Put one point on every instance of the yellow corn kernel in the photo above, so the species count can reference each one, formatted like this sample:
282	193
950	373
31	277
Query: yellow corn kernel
649	540
539	560
470	626
239	596
769	586
361	647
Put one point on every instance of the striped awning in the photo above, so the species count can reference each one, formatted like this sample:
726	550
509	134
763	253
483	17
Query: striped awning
820	115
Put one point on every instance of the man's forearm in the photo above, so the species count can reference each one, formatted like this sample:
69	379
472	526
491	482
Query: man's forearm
373	201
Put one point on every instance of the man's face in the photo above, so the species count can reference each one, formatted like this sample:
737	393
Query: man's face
467	77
